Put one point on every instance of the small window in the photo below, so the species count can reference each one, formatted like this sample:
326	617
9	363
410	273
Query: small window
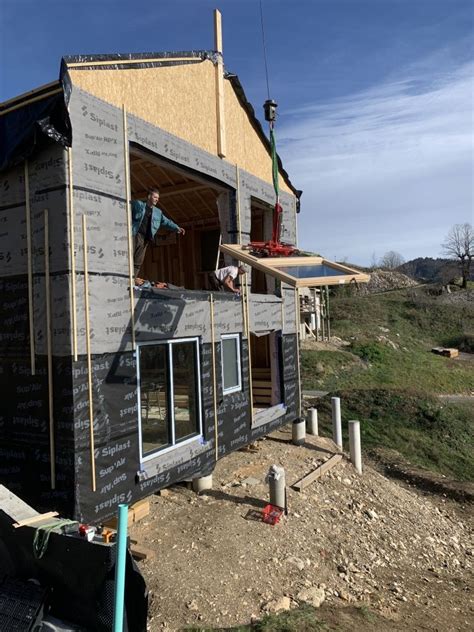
231	373
169	394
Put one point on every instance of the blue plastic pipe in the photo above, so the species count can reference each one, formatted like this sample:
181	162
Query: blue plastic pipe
120	562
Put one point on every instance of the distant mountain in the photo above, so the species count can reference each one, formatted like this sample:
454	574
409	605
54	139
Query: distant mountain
429	269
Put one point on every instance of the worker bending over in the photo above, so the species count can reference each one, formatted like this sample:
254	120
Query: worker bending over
222	280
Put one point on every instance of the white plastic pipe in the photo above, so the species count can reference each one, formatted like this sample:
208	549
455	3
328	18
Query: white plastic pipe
299	431
202	483
277	484
354	445
312	422
336	421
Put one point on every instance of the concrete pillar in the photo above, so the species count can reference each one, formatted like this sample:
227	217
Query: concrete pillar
312	422
299	431
277	484
202	483
336	421
354	445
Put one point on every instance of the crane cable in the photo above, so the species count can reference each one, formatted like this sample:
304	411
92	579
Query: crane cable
275	170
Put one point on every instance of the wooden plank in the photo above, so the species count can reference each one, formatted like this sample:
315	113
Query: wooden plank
317	473
221	140
14	507
140	552
52	450
88	354
35	519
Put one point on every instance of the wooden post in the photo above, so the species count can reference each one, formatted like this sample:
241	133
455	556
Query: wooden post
88	351
247	310
220	97
52	450
30	271
297	316
73	257
214	377
129	226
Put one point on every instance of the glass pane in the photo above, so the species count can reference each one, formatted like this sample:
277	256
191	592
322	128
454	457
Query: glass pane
307	272
154	397
186	421
230	363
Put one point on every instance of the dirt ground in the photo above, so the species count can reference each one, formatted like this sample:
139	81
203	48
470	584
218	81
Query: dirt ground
350	544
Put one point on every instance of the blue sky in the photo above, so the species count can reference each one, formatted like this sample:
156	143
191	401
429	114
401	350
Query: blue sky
375	99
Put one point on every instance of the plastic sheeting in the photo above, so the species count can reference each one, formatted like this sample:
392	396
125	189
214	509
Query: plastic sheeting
31	127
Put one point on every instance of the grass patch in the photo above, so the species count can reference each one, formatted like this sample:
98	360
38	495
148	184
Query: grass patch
430	434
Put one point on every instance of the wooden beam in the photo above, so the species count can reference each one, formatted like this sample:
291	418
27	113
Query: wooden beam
72	254
221	141
88	351
34	519
30	271
185	187
52	450
317	473
129	226
214	378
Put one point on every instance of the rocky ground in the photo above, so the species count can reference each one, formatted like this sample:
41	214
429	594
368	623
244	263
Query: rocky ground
349	544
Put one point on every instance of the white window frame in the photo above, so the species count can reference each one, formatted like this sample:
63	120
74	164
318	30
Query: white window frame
195	437
238	387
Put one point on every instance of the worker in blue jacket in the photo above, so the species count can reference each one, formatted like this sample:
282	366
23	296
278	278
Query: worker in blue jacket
147	218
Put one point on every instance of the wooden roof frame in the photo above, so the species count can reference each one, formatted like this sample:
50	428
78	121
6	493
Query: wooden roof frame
270	266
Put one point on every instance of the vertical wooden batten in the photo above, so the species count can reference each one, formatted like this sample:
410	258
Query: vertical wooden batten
88	352
297	318
214	378
220	108
30	271
129	227
52	448
73	256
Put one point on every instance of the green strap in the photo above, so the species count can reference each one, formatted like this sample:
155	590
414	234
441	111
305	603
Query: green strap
274	162
42	533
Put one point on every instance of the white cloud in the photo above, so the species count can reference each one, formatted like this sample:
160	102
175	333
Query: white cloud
390	168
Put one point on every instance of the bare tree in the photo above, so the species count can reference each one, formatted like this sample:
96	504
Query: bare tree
391	260
459	246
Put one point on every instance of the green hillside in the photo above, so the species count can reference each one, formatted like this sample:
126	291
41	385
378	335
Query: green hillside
388	378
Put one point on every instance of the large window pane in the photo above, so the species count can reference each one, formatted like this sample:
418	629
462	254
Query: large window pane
186	421
154	384
230	363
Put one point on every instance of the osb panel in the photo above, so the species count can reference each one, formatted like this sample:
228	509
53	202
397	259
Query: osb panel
182	101
179	99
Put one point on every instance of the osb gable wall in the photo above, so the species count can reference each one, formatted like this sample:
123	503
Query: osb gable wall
181	99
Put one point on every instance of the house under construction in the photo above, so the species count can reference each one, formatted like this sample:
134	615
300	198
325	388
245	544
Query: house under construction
112	392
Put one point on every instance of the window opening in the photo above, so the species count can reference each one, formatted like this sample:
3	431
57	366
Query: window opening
169	394
231	366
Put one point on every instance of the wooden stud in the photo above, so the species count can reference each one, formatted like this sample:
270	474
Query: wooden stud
88	351
214	377
129	225
221	141
52	449
298	319
34	519
73	257
121	62
30	271
317	473
249	346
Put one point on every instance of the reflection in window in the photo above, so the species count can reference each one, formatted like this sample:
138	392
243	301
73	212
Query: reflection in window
169	378
184	389
231	363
